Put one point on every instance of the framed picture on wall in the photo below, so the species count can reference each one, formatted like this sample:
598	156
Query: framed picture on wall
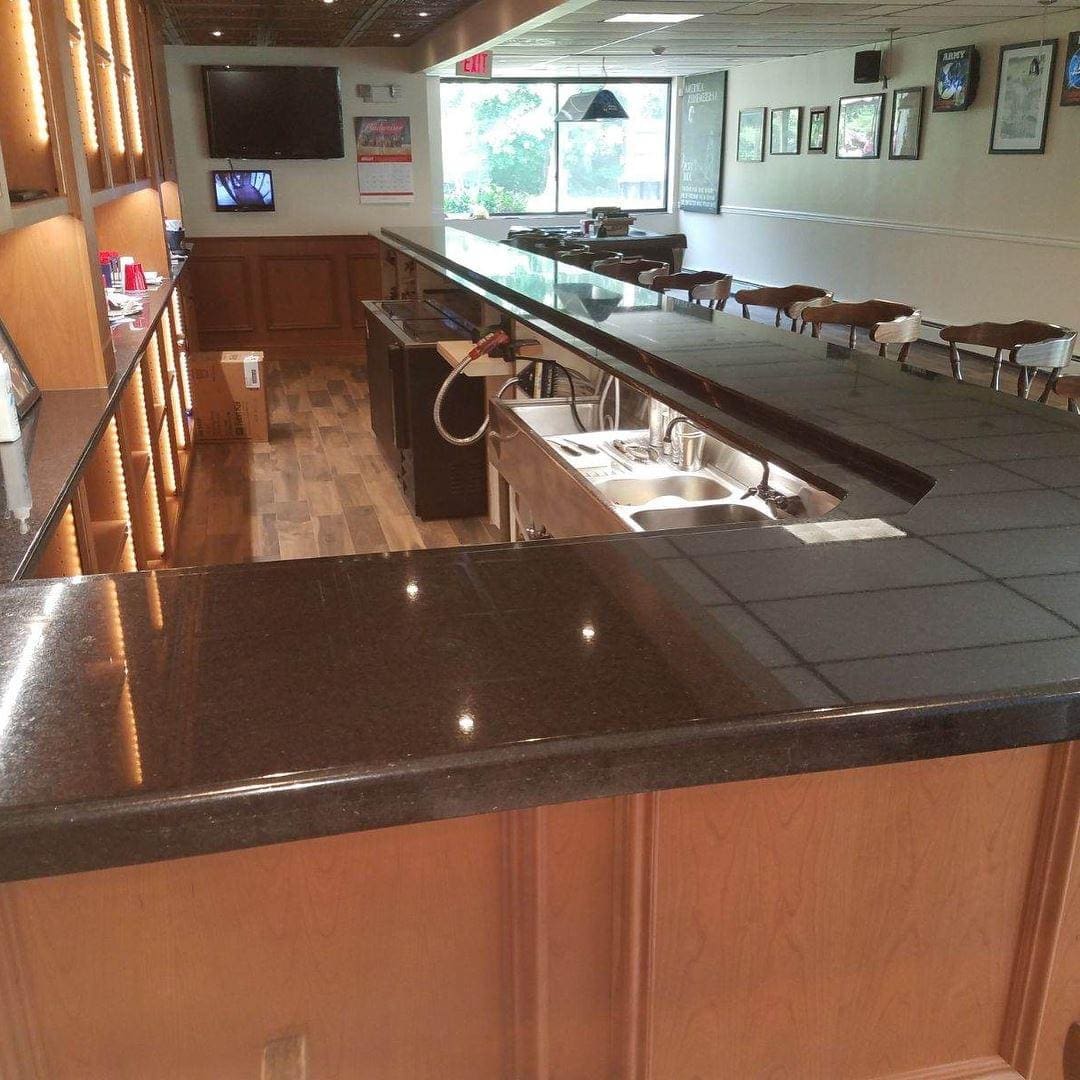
956	78
751	135
785	130
817	129
1022	101
858	126
1070	83
905	134
22	382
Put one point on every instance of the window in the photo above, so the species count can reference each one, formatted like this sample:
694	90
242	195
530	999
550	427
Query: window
503	151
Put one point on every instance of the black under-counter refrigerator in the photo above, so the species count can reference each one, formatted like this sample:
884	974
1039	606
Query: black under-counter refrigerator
405	371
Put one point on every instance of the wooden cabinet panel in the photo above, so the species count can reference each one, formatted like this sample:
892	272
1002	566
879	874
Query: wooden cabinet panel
303	294
300	292
222	293
844	925
887	923
383	949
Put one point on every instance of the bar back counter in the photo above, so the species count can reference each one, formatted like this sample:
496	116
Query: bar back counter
721	802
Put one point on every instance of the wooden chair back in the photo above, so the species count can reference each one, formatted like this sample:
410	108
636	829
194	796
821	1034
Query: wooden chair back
580	257
788	300
607	264
1031	345
714	294
687	280
631	269
885	321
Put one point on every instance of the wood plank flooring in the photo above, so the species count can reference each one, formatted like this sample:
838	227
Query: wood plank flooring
319	487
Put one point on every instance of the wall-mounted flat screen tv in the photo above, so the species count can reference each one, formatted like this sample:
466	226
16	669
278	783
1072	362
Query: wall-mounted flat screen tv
235	189
264	113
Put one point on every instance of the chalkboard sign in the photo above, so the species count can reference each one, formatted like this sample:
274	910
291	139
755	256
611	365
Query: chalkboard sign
701	158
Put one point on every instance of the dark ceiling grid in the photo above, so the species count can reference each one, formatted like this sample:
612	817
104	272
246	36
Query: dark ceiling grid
304	22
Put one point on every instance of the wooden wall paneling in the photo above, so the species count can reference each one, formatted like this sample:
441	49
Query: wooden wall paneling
47	303
1045	1001
154	395
84	531
129	34
136	463
288	296
59	558
90	126
855	924
105	486
222	297
97	18
141	473
169	456
381	950
300	292
158	92
134	225
25	110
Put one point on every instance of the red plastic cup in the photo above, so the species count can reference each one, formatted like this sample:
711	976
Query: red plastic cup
134	278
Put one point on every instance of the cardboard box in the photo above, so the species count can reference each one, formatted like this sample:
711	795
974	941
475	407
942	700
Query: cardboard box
228	391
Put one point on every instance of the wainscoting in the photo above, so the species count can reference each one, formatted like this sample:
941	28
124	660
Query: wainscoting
289	296
918	921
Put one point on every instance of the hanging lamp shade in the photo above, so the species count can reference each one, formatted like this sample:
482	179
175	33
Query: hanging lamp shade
591	105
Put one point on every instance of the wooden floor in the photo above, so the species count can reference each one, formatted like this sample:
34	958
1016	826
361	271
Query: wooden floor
319	487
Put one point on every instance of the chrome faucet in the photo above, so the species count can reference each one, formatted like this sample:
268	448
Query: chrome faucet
766	493
686	454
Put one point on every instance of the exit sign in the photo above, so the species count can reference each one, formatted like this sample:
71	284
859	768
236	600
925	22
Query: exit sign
477	66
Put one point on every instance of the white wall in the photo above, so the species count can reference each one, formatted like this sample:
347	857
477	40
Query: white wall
962	234
313	197
321	197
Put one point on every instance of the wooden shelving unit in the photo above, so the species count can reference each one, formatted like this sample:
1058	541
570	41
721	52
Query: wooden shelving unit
84	129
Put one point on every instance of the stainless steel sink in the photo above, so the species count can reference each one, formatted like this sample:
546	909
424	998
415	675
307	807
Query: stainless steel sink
688	517
638	490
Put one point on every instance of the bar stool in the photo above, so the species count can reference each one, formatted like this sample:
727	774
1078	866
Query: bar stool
579	257
885	321
689	281
630	270
788	300
1032	346
714	294
604	265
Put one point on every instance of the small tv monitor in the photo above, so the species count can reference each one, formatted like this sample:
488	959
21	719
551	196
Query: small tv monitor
243	191
277	112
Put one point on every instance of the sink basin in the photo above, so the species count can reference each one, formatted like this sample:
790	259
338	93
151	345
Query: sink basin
553	417
688	517
635	491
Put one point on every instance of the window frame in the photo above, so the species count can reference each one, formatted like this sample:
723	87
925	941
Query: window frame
579	81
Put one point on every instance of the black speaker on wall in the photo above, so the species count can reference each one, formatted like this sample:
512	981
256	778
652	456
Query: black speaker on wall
868	66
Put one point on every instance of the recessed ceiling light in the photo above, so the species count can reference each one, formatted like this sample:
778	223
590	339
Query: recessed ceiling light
641	17
215	33
422	14
396	35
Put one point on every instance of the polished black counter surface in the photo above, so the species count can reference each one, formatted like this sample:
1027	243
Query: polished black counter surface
38	471
158	715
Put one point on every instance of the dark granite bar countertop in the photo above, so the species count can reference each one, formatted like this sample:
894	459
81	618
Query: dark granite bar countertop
152	716
38	472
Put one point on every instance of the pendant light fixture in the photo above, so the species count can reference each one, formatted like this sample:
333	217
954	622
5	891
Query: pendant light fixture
587	105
